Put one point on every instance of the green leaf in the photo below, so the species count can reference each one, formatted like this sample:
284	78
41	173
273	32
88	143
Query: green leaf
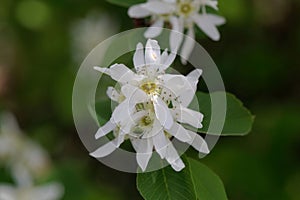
195	181
206	183
126	3
166	184
238	119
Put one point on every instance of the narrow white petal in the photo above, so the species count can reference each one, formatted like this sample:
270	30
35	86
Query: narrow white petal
122	112
152	52
137	11
171	153
144	148
170	59
176	35
139	57
198	142
159	7
213	4
160	143
102	70
164	56
113	94
193	77
178	165
20	174
108	148
179	132
188	116
188	45
121	73
104	130
162	112
134	94
216	19
155	29
207	26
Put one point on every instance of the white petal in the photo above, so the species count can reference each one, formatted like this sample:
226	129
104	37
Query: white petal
21	174
143	148
162	112
139	57
216	19
108	148
156	128
121	73
128	123
7	192
160	143
171	153
164	56
152	52
207	26
213	4
177	84
193	77
137	11
188	45
50	191
158	7
104	130
102	70
122	111
155	29
188	116
9	124
198	142
176	35
179	132
178	165
134	94
113	94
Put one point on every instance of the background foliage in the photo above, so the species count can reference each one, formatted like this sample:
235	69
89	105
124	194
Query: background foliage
257	56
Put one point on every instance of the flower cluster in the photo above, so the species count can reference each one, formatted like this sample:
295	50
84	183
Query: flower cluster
181	15
26	160
152	107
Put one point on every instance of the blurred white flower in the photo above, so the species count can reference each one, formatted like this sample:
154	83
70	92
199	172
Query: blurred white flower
50	191
20	154
182	15
152	106
89	32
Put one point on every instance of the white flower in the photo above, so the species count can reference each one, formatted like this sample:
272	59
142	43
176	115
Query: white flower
51	191
181	14
152	107
21	155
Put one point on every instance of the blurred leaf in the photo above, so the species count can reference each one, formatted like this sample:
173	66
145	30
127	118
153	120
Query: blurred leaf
238	119
195	181
126	3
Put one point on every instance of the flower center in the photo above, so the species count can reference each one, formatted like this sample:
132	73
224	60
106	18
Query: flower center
185	8
145	121
149	87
